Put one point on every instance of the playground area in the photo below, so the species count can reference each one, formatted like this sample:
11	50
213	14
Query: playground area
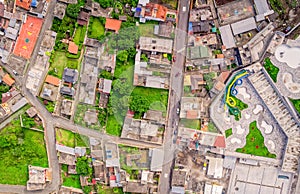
287	58
240	100
235	11
28	37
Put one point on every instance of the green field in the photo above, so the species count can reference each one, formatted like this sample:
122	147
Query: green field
190	123
96	28
70	139
228	132
60	62
146	30
20	147
79	35
271	69
71	180
296	104
255	143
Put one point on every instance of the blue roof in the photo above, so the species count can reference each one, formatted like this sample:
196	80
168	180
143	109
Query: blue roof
33	3
190	27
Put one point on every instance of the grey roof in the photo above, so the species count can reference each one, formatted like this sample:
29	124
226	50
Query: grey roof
227	37
107	86
157	159
65	149
70	75
12	22
243	26
11	33
80	151
177	190
67	91
156	44
22	102
156	29
261	6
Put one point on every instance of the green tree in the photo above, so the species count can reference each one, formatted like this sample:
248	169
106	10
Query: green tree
105	3
106	75
139	104
122	56
87	189
82	166
73	10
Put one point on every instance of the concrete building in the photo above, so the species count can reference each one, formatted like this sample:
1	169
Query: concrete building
156	44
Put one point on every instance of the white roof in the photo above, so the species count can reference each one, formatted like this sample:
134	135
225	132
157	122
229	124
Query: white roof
212	189
157	159
107	86
114	162
215	167
143	2
227	36
65	149
22	102
243	26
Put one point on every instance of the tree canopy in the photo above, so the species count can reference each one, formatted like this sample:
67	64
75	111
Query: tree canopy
73	10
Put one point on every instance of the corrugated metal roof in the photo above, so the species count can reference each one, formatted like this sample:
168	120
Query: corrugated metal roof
243	26
227	37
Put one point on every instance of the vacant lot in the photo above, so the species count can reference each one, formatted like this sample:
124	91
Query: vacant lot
70	139
190	123
96	28
147	30
71	180
20	147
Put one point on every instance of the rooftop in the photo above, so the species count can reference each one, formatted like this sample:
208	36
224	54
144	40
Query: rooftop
52	80
156	44
25	4
8	80
73	48
113	24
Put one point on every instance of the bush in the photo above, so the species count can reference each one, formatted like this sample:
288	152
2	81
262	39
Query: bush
72	56
73	10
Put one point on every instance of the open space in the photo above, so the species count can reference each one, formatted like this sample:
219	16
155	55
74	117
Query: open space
70	139
147	30
28	36
190	123
96	28
19	148
70	180
255	143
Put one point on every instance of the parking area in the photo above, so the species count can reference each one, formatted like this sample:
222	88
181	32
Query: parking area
259	179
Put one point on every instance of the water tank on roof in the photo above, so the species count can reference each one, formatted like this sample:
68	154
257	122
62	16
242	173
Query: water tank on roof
33	3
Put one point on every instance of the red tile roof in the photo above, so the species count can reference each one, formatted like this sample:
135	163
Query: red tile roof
8	80
73	48
25	4
220	142
2	9
223	76
52	80
113	24
156	11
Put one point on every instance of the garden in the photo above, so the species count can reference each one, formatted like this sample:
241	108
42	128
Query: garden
255	143
190	123
3	89
96	28
19	148
70	180
271	69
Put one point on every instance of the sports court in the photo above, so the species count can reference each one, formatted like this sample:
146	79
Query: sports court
28	36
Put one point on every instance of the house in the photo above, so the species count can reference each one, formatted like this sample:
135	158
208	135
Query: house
197	52
73	48
8	80
91	117
156	44
31	112
9	95
66	107
25	4
83	18
215	167
2	8
104	85
70	75
201	27
157	159
49	92
67	91
38	177
52	80
151	11
60	10
113	24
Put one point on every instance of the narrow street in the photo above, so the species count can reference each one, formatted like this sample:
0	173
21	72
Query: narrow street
175	95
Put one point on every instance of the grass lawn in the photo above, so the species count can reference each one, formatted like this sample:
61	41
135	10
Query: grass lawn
296	104
147	30
79	35
97	28
113	126
71	180
19	148
240	104
60	62
102	189
190	123
65	137
228	132
271	69
255	143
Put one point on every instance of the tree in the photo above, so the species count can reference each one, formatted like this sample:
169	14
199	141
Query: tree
122	56
139	104
73	10
82	166
106	75
105	3
87	189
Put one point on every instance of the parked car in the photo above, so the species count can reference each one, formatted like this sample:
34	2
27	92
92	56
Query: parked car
177	111
15	72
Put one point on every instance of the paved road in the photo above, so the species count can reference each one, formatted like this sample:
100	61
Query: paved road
175	95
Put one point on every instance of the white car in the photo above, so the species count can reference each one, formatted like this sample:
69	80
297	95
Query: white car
184	9
178	111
